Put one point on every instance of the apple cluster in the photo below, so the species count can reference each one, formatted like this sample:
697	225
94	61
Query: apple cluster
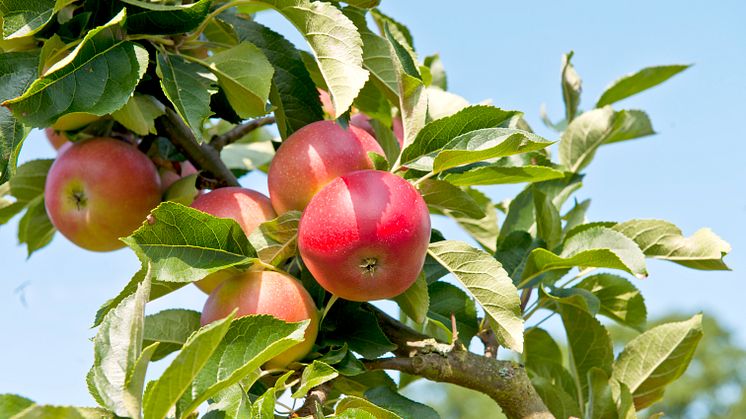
363	233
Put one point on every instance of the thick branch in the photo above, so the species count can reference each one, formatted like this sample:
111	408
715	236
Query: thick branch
239	131
203	156
315	400
506	382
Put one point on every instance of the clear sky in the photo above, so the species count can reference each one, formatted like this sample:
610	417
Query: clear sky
691	173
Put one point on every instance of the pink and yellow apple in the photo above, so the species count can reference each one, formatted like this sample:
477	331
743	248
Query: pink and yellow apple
247	207
365	235
178	170
99	190
56	138
266	292
314	156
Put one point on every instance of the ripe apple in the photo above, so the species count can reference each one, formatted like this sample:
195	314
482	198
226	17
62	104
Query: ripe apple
178	171
365	235
247	207
99	190
362	121
326	102
398	131
56	138
314	156
266	292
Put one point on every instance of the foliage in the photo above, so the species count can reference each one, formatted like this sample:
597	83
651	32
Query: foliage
183	80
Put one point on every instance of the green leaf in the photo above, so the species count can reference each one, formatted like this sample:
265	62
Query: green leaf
250	342
234	403
490	285
379	161
170	329
336	45
185	244
540	349
63	412
548	223
588	341
313	375
351	405
483	230
348	322
356	413
656	358
601	404
437	71
376	56
264	406
513	251
559	403
662	240
117	347
594	128
293	93
35	229
157	289
24	18
571	87
164	392
576	216
620	300
139	114
402	406
165	19
629	125
442	104
97	77
484	144
447	300
598	247
412	93
634	83
245	74
435	135
580	298
443	198
19	70
11	404
366	4
248	156
275	240
28	183
359	384
401	32
136	378
189	87
415	301
499	174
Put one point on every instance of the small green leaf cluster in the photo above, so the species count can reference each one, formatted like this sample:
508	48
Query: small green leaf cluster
127	63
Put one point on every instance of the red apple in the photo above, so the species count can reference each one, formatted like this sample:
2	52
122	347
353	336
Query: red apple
362	121
266	292
180	170
398	131
99	190
312	157
365	235
326	102
56	138
247	207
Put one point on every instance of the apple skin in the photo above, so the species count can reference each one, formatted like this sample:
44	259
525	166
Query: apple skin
266	292
247	207
314	156
180	170
326	102
362	121
99	190
398	131
365	235
56	138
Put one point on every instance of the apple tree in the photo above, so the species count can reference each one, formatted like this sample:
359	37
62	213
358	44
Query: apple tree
159	107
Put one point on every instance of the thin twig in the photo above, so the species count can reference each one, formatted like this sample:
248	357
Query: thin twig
239	131
314	403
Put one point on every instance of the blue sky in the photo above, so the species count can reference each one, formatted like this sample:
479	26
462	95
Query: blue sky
508	52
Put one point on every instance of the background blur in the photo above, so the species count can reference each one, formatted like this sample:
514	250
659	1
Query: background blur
691	173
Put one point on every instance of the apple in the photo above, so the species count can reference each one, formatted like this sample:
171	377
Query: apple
177	171
365	235
247	207
56	138
74	121
314	156
398	131
326	102
362	121
99	190
266	292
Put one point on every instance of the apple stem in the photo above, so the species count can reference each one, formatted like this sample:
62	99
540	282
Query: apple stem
328	307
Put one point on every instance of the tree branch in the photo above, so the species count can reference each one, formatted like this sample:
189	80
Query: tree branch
239	131
204	156
315	399
488	338
506	382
